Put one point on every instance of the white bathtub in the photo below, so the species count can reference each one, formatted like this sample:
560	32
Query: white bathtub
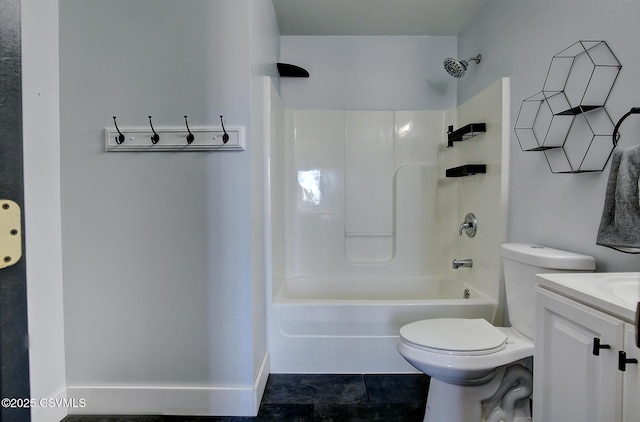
351	325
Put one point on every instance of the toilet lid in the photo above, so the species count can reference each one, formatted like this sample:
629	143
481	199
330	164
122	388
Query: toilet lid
457	336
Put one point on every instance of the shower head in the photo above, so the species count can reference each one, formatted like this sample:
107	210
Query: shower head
456	68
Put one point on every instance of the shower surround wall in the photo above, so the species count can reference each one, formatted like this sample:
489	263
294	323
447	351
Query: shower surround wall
361	190
360	198
486	195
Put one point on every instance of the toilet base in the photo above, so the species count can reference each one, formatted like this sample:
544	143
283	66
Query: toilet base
457	403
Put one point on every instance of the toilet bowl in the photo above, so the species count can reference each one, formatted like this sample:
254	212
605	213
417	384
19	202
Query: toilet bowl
467	360
480	372
461	351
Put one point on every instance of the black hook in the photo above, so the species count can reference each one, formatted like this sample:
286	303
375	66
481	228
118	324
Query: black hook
120	137
225	137
155	138
190	136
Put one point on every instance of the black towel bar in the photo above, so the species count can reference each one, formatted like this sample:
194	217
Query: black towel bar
634	110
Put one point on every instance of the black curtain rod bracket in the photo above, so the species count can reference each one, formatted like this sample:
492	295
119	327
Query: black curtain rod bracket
292	71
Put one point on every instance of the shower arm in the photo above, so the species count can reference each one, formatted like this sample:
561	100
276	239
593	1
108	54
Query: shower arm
476	58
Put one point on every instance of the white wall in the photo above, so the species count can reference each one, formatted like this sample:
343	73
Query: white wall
40	99
162	255
275	221
265	49
519	38
369	73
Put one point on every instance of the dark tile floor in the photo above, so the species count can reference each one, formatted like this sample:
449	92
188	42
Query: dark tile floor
325	398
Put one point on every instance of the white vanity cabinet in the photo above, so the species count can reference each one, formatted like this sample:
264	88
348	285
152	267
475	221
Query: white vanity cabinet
576	363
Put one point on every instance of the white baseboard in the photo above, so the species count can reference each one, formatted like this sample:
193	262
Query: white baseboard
51	408
171	400
260	383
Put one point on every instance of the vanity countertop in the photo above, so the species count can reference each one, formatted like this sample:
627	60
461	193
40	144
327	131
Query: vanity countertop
617	294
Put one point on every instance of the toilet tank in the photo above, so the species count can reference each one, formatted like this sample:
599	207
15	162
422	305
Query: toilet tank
521	263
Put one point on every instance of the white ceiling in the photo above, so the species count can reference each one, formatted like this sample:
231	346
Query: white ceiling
375	17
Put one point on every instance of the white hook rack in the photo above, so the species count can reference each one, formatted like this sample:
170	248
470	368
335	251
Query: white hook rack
174	139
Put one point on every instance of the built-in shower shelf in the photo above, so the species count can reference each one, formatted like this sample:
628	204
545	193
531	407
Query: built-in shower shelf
465	132
466	170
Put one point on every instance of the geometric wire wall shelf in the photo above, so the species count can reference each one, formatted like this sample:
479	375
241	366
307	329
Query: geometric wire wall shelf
567	119
538	128
588	145
580	77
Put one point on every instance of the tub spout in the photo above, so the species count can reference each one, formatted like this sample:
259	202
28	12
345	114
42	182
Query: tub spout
457	263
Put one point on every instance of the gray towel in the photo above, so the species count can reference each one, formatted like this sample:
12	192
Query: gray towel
620	224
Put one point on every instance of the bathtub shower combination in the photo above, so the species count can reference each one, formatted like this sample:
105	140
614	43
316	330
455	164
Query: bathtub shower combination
352	325
362	227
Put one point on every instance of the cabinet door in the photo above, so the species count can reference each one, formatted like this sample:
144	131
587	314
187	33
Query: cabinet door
570	382
631	378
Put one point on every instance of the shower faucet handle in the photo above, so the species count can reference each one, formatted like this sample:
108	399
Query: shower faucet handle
465	226
469	225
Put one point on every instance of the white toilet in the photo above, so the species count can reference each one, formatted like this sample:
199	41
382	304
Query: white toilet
480	372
